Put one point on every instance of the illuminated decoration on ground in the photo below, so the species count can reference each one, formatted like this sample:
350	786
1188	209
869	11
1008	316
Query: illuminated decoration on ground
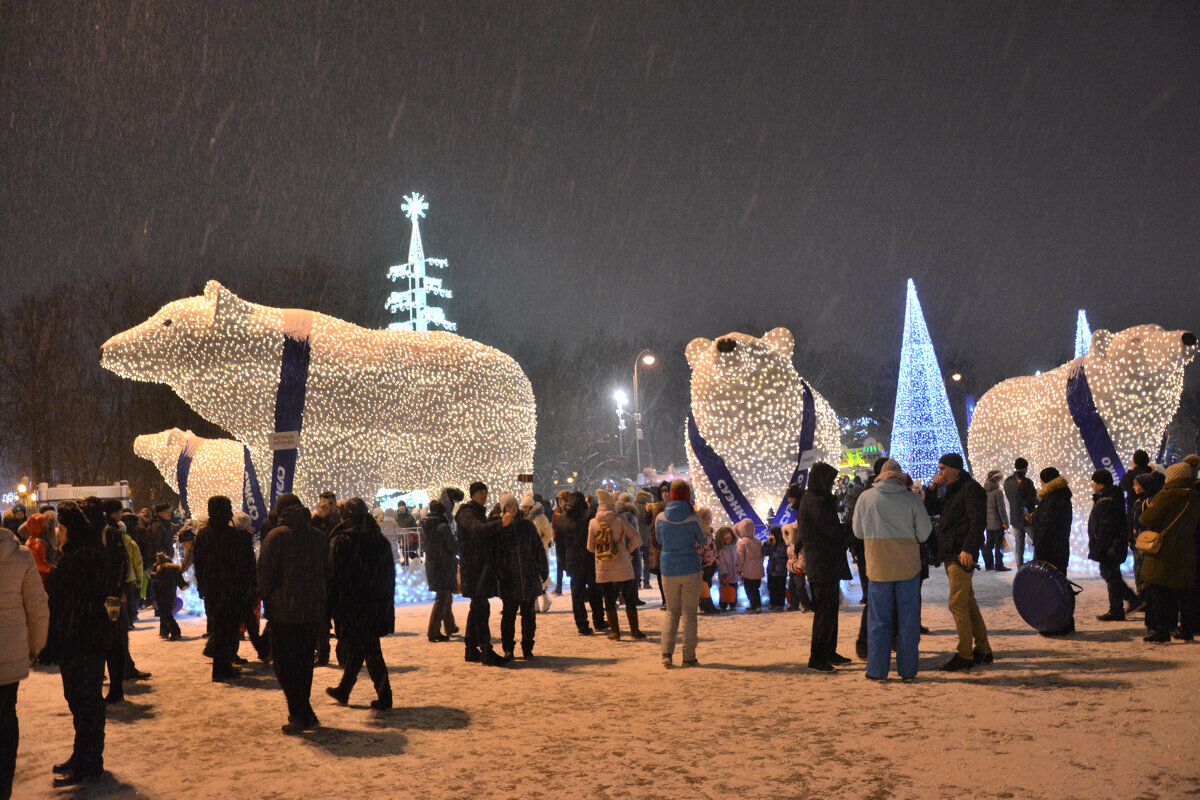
923	429
748	404
410	410
215	468
413	301
1135	378
1083	334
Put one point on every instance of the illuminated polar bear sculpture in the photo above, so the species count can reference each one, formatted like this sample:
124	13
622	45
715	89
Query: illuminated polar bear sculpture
748	404
382	409
1136	379
216	465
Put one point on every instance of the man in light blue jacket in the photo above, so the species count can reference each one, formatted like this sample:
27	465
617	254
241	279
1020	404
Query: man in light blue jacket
892	522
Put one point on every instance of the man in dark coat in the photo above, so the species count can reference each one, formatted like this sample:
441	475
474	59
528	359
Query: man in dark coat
522	566
291	582
963	511
326	519
1141	466
361	599
1108	542
1022	500
225	575
823	538
162	531
81	632
107	516
478	575
1052	521
571	527
441	566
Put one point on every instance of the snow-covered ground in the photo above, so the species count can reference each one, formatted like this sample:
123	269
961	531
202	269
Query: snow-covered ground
1100	714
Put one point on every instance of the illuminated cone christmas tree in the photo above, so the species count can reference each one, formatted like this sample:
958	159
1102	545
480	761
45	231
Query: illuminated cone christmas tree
1083	334
923	428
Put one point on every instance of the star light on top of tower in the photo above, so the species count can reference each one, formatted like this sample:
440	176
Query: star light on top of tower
414	206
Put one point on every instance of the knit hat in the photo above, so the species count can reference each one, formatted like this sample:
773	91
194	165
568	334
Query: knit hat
220	510
506	498
952	460
527	500
995	475
1150	482
161	507
110	506
680	490
476	487
604	497
1181	470
1020	465
1102	477
625	499
1048	474
1193	460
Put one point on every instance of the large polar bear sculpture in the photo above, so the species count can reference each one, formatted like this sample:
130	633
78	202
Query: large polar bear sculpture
209	467
748	404
1135	378
380	409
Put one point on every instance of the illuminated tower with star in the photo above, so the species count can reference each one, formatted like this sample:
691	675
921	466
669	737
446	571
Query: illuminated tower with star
412	304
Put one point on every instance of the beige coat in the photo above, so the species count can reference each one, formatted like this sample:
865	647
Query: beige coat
625	539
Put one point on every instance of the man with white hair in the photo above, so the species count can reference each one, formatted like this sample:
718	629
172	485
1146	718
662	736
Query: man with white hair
892	522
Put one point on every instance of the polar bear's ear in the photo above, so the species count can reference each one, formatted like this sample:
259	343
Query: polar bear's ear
224	302
695	351
780	340
1099	346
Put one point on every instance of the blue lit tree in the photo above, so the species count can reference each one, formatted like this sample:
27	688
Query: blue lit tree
413	301
923	428
1083	334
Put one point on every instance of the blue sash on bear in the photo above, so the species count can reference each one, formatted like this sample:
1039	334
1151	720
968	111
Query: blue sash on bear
289	406
183	466
252	499
732	498
1091	426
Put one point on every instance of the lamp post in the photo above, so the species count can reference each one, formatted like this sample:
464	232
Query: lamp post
647	358
619	396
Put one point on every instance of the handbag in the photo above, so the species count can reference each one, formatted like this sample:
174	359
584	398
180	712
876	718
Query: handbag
728	593
1151	541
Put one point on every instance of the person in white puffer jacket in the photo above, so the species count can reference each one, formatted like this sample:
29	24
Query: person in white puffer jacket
24	622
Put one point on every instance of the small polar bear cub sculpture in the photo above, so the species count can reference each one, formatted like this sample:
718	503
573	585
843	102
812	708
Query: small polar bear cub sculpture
748	403
216	467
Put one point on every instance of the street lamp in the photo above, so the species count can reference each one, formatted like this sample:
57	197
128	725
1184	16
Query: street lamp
647	358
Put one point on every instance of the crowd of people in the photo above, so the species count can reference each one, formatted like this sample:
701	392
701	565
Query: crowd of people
86	569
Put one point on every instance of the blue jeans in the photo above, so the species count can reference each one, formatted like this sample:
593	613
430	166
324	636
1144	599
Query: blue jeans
905	598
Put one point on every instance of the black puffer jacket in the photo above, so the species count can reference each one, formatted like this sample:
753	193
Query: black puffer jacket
77	588
520	559
225	569
821	532
291	567
362	578
475	551
1052	524
441	551
963	511
1108	527
572	527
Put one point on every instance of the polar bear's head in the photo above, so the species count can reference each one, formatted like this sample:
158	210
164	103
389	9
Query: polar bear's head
181	340
742	360
162	448
1138	360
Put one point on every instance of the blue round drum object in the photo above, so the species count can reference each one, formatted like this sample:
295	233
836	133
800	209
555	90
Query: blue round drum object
1044	597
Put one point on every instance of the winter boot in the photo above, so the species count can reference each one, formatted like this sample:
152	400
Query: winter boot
631	613
614	625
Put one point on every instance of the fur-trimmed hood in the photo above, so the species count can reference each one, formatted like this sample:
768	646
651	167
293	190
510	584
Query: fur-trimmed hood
1053	486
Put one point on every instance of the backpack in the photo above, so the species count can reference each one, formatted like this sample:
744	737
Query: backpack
606	549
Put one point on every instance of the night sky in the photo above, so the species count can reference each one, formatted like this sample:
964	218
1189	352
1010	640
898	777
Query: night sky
657	169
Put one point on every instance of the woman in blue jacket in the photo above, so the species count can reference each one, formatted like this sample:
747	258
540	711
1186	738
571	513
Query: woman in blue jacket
678	531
